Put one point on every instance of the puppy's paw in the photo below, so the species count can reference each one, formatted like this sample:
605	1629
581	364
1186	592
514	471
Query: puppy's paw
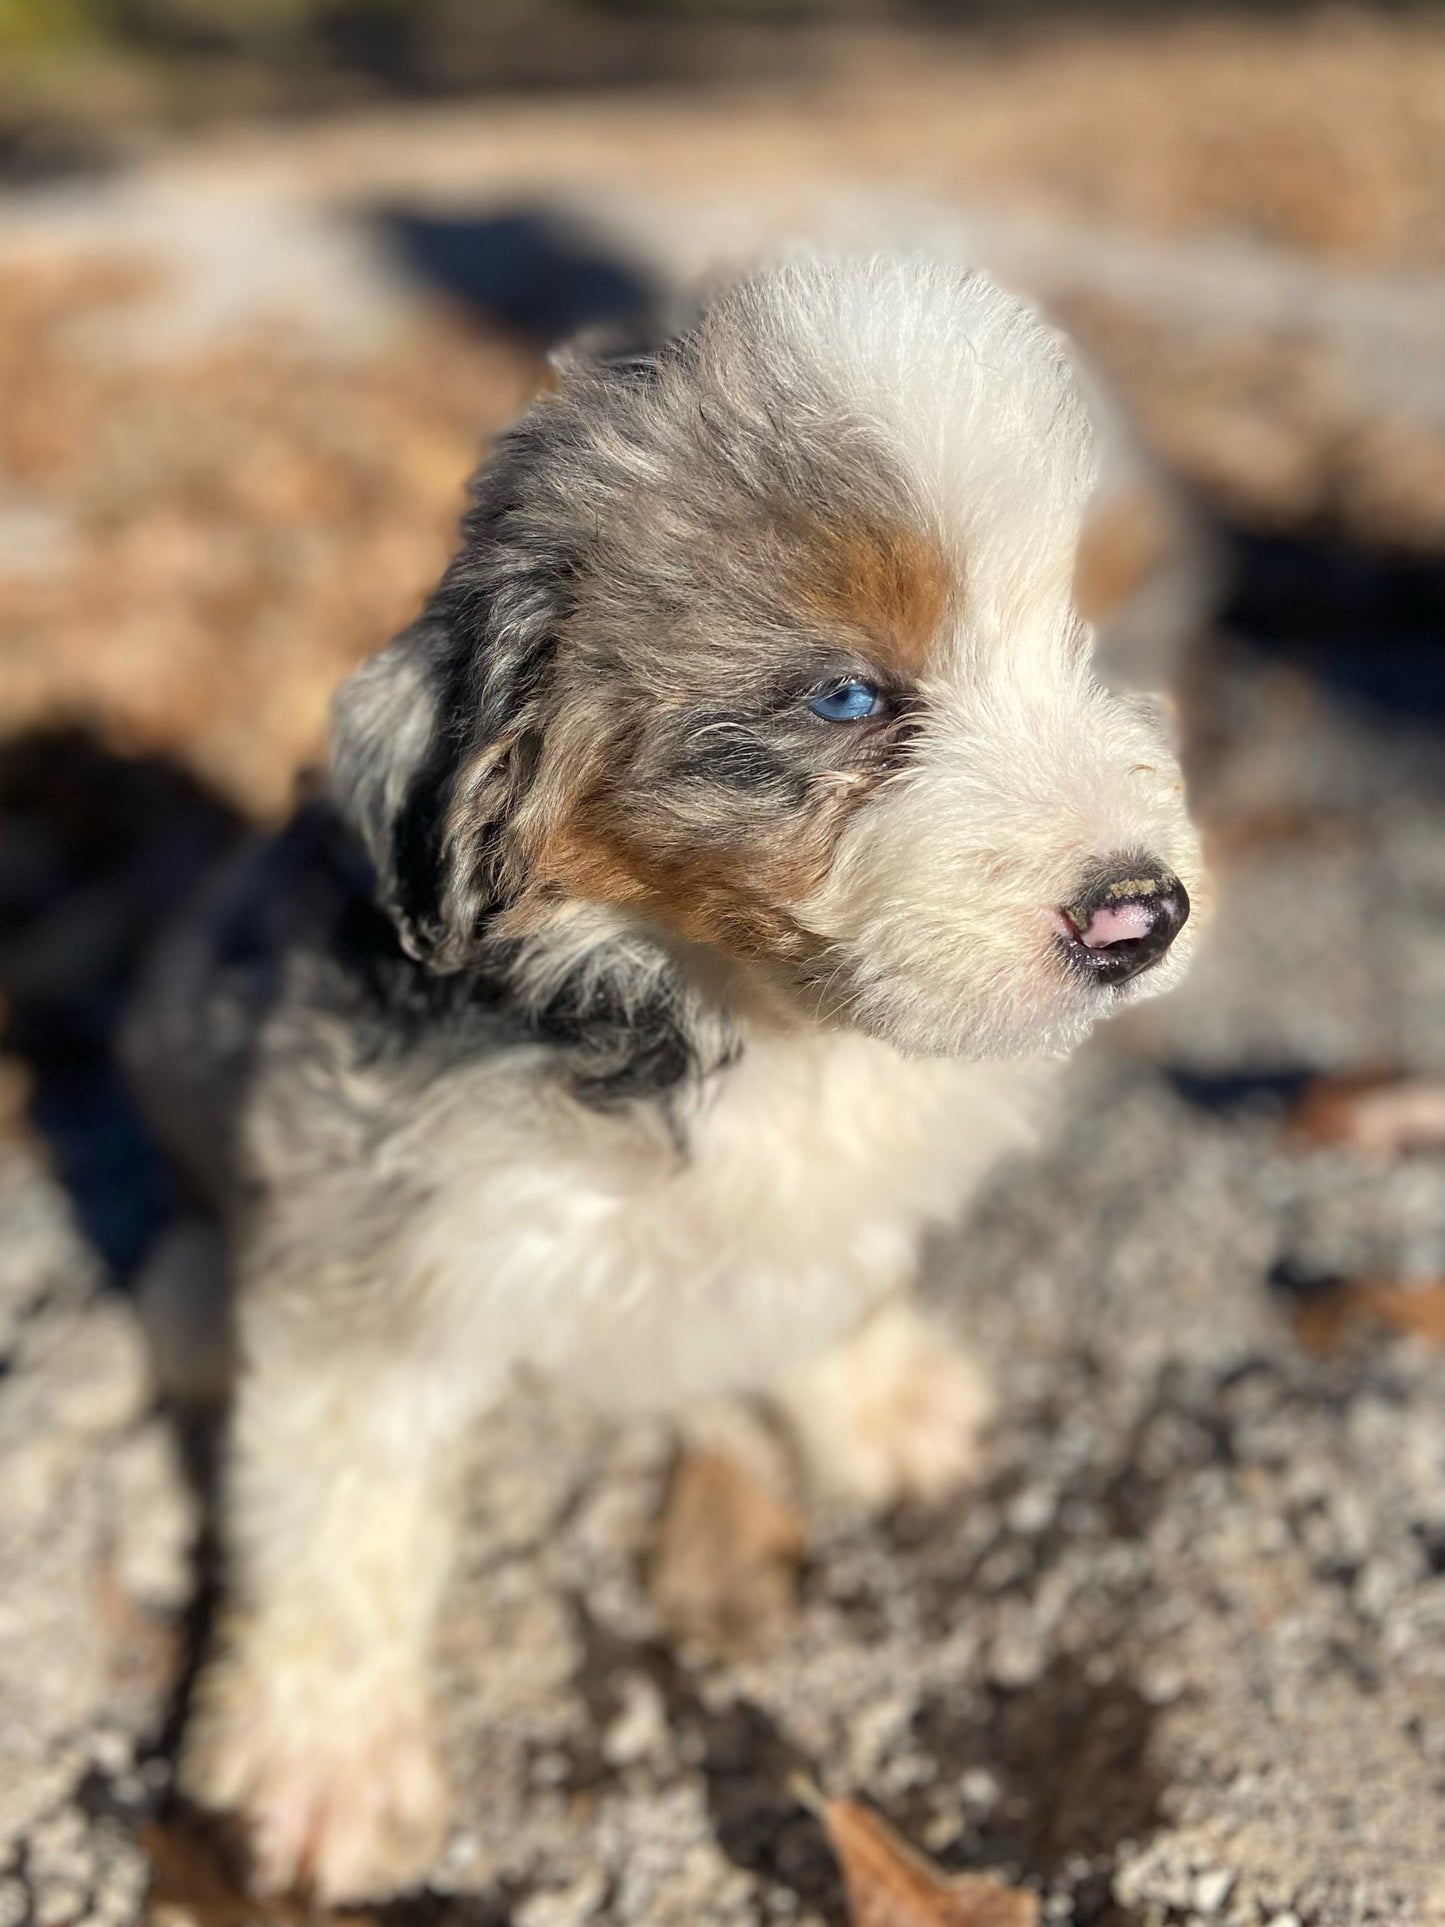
896	1413
334	1779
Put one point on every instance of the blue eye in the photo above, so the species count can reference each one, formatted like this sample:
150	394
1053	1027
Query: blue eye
850	702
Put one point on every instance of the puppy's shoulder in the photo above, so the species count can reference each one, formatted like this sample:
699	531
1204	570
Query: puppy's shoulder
281	983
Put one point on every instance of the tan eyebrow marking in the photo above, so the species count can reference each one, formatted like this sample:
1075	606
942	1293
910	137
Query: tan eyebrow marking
892	583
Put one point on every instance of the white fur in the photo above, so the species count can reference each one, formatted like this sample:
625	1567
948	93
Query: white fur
645	1278
941	900
970	389
943	894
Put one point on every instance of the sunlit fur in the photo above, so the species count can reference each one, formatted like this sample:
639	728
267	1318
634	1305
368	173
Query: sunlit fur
613	1014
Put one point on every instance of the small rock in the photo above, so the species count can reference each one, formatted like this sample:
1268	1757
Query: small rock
979	1790
565	1906
639	1730
59	1901
1031	1511
1212	1889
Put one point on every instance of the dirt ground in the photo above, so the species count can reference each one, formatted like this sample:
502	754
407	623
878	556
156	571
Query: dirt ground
1180	1657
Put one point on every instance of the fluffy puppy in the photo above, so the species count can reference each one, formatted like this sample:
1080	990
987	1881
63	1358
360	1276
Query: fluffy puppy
702	881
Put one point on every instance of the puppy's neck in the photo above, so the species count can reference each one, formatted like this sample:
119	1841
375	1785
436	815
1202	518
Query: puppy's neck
641	1013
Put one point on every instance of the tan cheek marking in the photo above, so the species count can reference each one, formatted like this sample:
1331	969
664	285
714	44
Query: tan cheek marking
892	584
1124	541
735	902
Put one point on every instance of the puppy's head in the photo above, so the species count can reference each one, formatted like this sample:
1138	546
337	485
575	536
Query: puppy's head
765	643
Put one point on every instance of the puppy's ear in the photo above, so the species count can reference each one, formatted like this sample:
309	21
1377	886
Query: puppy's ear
435	738
629	346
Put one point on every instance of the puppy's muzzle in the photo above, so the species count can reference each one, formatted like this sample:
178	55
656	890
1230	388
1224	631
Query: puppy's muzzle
1125	920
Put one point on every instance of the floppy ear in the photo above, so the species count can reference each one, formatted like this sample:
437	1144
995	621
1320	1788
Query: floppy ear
434	739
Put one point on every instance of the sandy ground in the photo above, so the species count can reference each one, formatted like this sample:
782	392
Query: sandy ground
1180	1656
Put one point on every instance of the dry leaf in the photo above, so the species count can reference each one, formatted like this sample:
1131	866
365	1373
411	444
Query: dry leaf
192	1885
144	1645
1324	1321
889	1884
1375	1113
1123	542
728	1550
1281	825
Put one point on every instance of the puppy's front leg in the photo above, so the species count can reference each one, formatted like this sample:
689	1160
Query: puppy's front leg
313	1721
895	1412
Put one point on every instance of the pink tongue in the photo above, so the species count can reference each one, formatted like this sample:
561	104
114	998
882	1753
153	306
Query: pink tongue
1117	924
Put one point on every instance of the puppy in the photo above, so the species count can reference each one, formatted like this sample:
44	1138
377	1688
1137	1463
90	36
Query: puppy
703	881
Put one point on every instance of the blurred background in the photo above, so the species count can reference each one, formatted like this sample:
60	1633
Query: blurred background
271	273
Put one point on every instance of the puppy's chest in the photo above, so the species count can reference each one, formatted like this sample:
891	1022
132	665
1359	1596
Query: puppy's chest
600	1247
793	1120
831	1151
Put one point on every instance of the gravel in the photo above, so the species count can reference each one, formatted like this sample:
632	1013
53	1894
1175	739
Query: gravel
96	1529
1179	1658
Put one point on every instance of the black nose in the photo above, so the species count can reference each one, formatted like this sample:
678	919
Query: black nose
1125	919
